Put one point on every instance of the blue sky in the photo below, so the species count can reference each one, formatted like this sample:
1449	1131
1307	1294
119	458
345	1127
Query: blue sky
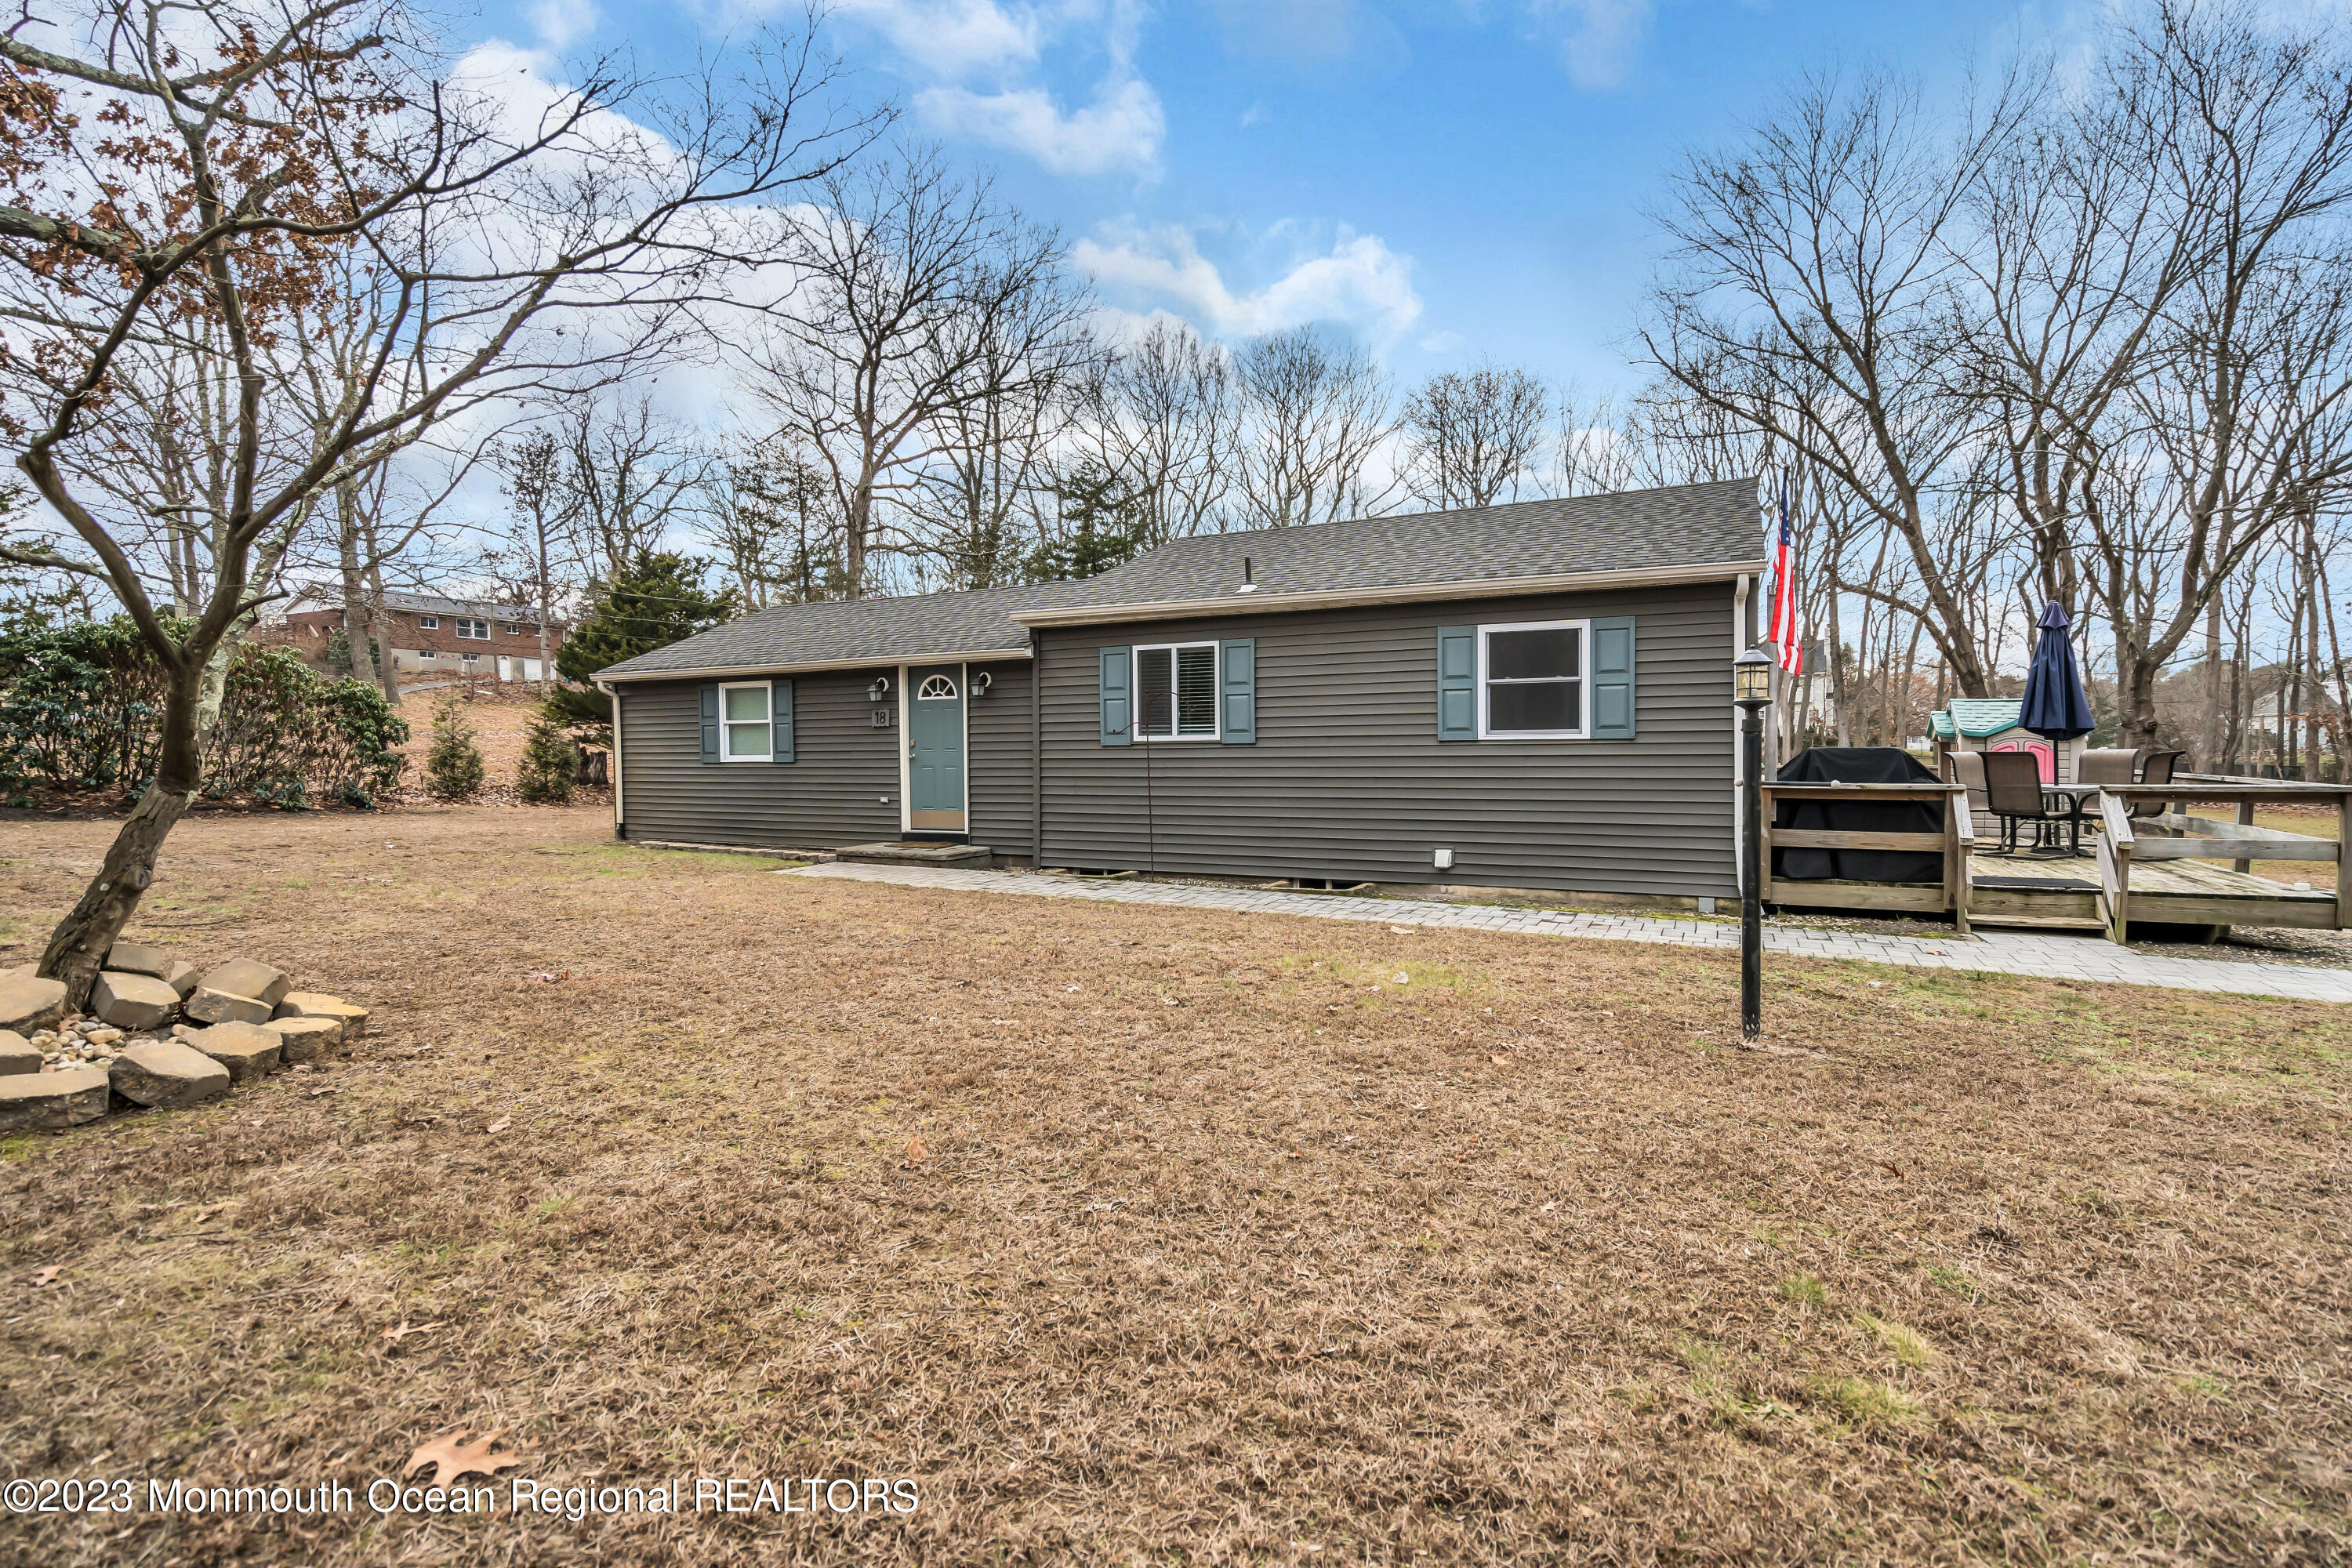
1449	179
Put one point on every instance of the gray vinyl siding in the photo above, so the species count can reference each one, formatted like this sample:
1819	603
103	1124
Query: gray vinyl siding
1348	780
998	758
842	787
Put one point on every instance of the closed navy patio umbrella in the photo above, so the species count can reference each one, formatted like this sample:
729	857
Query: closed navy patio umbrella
2055	707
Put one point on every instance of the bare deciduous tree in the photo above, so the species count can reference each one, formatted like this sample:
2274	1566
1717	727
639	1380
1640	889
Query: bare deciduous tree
629	474
1811	297
1469	439
916	295
1160	416
230	153
1315	414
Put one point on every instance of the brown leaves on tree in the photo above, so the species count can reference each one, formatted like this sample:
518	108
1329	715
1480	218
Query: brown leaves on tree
450	1457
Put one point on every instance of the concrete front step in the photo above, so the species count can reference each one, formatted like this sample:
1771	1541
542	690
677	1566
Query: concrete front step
968	856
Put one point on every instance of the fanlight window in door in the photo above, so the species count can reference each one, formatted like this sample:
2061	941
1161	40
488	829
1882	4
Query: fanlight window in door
936	688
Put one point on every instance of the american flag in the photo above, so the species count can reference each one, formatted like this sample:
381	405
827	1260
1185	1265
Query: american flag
1784	588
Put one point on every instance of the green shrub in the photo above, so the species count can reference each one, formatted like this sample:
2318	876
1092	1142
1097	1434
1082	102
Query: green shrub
550	762
81	707
453	763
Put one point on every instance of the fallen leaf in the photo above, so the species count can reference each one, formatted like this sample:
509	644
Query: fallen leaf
1894	1167
542	979
328	1088
500	1125
1168	1001
1400	978
1498	1059
401	1330
916	1153
1401	931
451	1455
1297	1155
45	1276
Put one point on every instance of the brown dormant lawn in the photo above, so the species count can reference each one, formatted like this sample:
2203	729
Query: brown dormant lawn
1236	1238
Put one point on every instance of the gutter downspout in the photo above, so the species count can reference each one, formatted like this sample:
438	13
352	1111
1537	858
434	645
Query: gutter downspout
620	824
1742	620
1037	752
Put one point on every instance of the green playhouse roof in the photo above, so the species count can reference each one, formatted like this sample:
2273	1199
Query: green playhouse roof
1978	716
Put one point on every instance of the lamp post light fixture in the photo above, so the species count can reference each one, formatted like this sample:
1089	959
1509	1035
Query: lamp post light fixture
1751	688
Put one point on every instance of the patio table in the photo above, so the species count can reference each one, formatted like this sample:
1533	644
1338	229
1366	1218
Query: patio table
2078	798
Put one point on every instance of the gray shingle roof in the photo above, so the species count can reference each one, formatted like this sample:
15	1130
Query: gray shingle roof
1634	531
1684	525
877	631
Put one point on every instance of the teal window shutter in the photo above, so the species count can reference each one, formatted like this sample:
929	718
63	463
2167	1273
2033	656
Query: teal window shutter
1117	696
1238	676
780	719
1612	677
710	721
1457	683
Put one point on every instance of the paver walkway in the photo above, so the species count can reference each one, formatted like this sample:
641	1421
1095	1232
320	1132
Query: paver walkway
2049	957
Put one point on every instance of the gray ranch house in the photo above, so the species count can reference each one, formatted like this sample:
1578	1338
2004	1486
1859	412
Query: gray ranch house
1536	695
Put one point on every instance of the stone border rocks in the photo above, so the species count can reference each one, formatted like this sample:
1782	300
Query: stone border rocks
140	1039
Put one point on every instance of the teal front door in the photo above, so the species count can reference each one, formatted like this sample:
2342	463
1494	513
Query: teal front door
935	749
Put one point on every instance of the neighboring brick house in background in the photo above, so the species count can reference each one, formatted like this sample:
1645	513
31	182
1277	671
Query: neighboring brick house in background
468	638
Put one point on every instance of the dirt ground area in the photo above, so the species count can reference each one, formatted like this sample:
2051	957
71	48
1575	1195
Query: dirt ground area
1232	1237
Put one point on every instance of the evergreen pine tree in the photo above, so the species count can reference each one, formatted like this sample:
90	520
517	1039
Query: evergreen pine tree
550	761
1102	527
659	600
453	763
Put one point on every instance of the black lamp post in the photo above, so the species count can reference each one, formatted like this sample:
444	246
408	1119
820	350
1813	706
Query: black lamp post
1751	688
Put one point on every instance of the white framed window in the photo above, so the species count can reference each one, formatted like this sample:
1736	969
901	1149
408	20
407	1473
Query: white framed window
424	654
935	688
477	630
1531	681
428	623
469	658
1176	692
744	735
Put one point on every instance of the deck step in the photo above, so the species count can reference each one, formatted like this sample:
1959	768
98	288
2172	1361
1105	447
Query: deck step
2038	923
969	856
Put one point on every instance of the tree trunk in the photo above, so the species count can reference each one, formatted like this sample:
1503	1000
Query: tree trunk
357	633
387	672
2211	746
79	946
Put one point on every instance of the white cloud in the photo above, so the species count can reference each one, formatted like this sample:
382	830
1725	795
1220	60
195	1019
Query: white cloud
989	63
1603	38
952	38
1359	281
558	22
1118	132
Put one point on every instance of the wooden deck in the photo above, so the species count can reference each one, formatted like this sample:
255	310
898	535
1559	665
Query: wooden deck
2156	869
2185	892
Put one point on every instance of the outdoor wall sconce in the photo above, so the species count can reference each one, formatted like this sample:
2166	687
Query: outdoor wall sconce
980	683
879	690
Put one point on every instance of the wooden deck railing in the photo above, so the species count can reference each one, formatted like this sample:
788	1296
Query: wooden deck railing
2175	835
1955	843
2123	841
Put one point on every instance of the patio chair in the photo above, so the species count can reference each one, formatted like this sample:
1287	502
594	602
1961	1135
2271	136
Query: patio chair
2155	770
1968	768
2014	794
2114	765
